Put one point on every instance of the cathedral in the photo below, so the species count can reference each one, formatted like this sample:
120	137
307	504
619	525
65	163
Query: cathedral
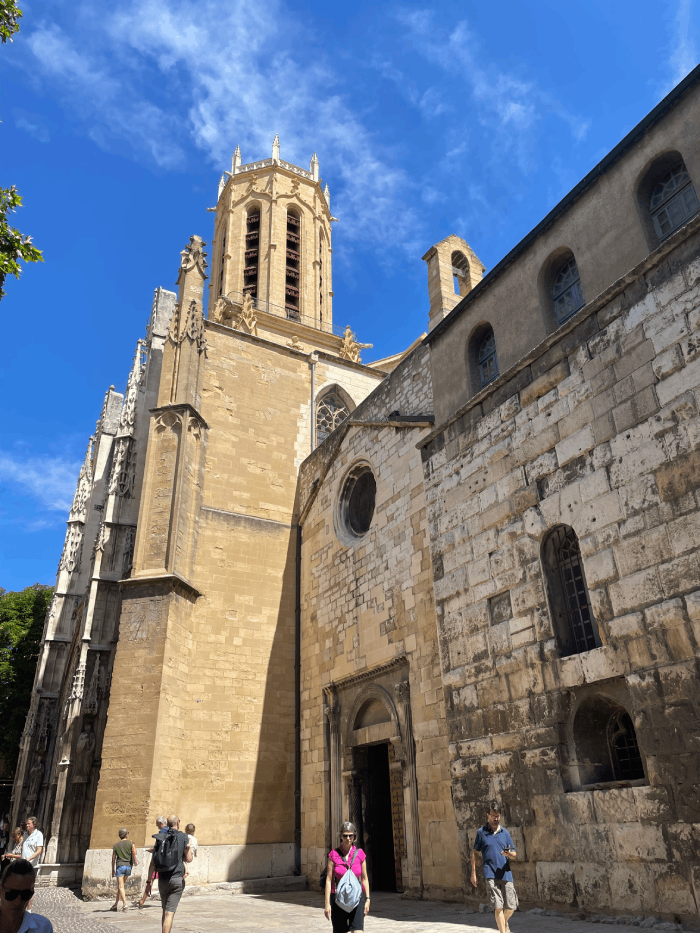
298	588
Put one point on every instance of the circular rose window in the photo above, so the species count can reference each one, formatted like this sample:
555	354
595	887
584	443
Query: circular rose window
357	504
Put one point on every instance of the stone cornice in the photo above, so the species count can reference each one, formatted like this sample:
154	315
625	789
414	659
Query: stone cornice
174	580
368	674
180	406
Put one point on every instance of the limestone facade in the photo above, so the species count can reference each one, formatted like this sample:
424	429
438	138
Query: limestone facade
478	578
187	587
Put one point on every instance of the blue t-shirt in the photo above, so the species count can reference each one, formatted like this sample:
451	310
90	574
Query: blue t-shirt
491	844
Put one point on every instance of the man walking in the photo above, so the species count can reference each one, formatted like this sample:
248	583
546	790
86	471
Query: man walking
162	825
170	853
32	843
496	847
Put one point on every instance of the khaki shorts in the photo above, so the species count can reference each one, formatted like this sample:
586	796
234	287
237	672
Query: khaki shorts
500	891
170	890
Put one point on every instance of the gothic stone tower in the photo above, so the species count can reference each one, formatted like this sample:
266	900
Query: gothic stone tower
189	593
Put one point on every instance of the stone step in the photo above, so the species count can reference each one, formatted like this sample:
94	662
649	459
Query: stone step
250	886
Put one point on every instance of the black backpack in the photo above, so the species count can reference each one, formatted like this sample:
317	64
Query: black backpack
166	855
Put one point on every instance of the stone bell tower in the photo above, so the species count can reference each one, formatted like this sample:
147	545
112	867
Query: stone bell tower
272	242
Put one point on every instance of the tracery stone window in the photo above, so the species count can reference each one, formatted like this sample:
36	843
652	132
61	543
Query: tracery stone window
572	615
673	201
567	294
486	359
252	245
605	742
331	410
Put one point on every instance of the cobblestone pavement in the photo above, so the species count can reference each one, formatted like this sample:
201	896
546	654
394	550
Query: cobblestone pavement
245	913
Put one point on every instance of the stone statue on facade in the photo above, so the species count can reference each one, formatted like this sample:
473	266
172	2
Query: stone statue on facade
84	751
350	349
35	775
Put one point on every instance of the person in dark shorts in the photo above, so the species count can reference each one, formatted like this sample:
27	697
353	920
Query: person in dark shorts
123	860
162	824
496	847
171	884
340	860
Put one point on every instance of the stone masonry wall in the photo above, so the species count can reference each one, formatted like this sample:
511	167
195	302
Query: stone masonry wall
367	605
599	430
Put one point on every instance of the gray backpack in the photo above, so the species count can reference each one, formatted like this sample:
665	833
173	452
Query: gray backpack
348	890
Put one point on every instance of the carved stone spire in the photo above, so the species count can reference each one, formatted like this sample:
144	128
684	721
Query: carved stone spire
276	147
327	195
127	419
82	490
236	160
313	167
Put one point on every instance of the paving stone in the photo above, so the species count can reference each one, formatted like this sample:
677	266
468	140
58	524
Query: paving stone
246	913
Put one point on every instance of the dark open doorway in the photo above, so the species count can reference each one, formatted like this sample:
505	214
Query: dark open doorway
379	833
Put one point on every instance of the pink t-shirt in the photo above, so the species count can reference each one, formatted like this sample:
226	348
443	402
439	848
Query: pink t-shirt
340	867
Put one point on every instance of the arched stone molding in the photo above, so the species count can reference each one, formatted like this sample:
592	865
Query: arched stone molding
389	685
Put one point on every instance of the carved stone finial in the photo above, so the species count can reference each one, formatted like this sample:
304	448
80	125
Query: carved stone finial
276	147
247	319
327	196
82	490
351	348
236	160
313	167
223	310
194	257
127	418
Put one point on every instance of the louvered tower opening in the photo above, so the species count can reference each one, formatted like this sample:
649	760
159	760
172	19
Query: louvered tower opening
252	244
293	266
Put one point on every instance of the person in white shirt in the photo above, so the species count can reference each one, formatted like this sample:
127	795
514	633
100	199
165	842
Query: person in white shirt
191	842
33	843
16	892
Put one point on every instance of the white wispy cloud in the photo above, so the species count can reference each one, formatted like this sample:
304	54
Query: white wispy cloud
509	106
162	74
35	129
50	481
684	53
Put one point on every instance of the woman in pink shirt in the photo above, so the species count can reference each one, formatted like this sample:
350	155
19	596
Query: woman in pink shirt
346	854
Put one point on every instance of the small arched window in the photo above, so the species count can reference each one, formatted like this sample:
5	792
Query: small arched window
567	294
486	359
673	201
572	614
606	744
331	410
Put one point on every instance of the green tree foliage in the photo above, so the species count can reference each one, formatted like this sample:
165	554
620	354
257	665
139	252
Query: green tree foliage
21	627
13	245
9	16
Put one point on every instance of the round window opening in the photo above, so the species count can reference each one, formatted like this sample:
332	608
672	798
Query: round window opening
358	501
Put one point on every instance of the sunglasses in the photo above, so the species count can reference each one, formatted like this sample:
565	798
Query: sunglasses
12	895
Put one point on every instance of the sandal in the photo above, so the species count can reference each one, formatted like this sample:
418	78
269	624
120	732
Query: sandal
114	908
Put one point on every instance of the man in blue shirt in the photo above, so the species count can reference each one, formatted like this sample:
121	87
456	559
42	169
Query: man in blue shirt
496	847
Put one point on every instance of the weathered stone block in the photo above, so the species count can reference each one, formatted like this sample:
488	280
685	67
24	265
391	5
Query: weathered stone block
555	882
628	626
571	447
636	591
600	568
637	843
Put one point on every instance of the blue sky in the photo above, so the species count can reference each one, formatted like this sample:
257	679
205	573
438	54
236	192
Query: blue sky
428	119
